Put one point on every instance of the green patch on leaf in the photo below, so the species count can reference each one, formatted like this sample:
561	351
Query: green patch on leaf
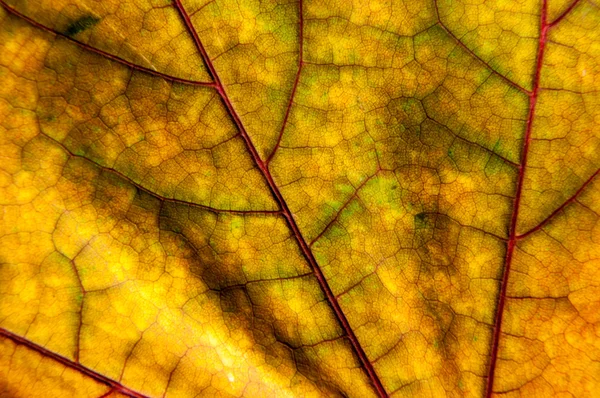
81	24
420	221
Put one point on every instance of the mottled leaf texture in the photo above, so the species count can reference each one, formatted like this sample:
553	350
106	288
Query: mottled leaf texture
299	198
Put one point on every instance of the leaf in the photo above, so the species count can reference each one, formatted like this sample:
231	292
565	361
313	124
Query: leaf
306	198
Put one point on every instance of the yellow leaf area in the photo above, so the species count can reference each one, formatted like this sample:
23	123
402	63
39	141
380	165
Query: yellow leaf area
299	198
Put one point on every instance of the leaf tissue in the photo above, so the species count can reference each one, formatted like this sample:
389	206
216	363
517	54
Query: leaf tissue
299	198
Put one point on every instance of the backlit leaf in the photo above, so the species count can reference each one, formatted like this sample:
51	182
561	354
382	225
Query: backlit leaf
299	199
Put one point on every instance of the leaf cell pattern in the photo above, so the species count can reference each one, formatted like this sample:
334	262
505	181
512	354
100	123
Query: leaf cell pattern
299	198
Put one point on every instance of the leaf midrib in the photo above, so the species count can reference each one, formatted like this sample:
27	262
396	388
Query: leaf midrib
512	240
263	167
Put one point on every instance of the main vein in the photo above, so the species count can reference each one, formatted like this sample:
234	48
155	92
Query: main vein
544	26
263	167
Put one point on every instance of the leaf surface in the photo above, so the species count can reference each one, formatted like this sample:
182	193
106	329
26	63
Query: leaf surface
243	198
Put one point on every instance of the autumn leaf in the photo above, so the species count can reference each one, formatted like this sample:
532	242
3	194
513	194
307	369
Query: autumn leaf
299	198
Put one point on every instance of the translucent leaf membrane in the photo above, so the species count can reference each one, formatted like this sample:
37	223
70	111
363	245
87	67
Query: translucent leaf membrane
254	47
146	33
173	139
565	146
155	293
26	372
549	344
503	34
394	198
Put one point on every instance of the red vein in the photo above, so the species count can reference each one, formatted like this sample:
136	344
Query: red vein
114	385
564	14
80	324
561	207
106	394
263	167
296	80
544	26
467	49
139	186
103	53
